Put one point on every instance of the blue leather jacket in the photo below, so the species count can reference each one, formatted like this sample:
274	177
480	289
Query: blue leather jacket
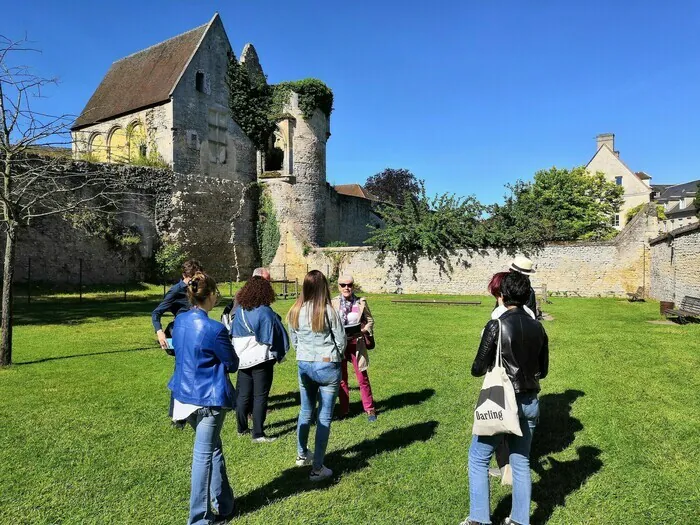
203	359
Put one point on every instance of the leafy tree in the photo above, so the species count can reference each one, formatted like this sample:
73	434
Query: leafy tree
435	228
392	185
559	205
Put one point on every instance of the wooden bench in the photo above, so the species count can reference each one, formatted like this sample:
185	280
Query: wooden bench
689	309
433	301
636	296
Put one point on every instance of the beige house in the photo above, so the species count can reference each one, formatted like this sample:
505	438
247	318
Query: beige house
636	184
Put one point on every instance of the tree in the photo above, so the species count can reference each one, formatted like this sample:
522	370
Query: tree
392	185
435	228
37	182
559	205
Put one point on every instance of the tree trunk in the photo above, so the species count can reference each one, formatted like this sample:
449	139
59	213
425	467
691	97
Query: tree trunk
8	277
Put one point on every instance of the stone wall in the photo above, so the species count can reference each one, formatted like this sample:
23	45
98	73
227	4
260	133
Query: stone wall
579	269
675	262
347	218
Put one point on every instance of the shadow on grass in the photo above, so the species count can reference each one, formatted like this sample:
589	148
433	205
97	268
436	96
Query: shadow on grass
50	313
57	358
394	402
295	480
555	432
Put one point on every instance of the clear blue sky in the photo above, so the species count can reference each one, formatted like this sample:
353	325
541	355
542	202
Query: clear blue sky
468	95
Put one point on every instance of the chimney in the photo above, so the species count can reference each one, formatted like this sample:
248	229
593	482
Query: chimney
609	140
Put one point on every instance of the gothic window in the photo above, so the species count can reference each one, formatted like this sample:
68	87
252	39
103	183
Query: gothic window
218	132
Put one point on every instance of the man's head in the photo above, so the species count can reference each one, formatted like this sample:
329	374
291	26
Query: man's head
522	264
515	289
346	285
262	272
191	267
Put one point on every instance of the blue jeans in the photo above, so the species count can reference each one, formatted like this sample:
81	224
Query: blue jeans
316	377
480	452
211	495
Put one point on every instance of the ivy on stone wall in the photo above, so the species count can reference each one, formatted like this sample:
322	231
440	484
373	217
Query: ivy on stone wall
267	231
257	106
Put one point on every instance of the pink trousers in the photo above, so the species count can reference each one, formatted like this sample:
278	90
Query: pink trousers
362	379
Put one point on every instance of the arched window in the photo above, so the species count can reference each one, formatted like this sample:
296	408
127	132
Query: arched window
137	141
118	146
97	147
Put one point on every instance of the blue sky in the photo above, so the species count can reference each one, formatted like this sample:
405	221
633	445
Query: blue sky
468	95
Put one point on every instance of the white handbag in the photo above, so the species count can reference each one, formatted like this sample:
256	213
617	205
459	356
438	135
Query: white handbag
496	410
248	350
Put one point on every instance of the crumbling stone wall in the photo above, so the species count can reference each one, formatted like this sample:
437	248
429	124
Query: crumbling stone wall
675	262
347	218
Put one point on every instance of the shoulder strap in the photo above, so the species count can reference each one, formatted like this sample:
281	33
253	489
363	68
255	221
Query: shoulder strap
499	351
246	322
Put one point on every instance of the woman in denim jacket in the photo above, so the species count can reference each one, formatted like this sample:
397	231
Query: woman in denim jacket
202	393
319	338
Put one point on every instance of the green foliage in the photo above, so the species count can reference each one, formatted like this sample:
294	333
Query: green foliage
660	212
105	226
312	94
169	259
267	231
336	244
632	212
256	106
696	200
392	185
152	159
559	205
432	227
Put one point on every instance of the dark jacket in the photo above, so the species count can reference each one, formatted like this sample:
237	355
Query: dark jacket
532	301
524	346
203	359
175	302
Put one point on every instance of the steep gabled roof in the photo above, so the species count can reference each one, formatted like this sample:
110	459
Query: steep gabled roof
687	189
354	190
141	80
642	176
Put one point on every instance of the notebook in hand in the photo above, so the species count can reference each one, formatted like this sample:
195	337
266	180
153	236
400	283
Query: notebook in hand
352	330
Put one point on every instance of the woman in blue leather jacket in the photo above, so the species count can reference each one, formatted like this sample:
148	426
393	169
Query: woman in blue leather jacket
202	393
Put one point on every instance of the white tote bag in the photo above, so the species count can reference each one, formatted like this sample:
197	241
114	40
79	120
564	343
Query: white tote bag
496	410
248	350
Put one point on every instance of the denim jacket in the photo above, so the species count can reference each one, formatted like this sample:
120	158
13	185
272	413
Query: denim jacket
203	359
318	346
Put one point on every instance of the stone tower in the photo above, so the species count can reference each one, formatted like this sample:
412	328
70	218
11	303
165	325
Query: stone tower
297	183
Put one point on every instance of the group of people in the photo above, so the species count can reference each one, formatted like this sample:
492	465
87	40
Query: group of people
326	333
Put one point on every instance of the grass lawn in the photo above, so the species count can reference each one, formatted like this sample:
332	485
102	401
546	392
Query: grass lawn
85	438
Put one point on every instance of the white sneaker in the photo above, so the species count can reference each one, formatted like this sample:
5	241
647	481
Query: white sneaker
305	460
322	474
264	439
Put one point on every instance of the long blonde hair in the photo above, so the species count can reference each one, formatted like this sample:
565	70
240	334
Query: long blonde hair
314	290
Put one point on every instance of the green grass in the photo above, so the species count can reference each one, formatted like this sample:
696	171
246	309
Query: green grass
85	438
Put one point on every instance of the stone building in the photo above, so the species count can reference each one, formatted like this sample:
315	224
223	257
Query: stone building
679	207
169	105
636	184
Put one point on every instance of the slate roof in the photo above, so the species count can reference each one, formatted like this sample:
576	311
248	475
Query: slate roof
141	80
354	190
686	189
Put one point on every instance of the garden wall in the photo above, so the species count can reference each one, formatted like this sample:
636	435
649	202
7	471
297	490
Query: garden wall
580	269
675	263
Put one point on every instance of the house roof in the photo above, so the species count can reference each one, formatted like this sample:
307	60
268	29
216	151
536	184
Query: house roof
144	79
354	190
642	176
687	189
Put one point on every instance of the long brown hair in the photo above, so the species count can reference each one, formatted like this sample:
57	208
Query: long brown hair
314	290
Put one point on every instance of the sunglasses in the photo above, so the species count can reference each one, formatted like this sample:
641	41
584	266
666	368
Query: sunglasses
345	285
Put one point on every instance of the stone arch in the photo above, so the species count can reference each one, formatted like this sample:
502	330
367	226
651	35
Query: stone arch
136	140
97	147
118	145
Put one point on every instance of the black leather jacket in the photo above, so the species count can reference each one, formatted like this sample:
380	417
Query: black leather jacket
524	346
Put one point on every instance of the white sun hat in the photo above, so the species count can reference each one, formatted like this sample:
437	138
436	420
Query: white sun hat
522	264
